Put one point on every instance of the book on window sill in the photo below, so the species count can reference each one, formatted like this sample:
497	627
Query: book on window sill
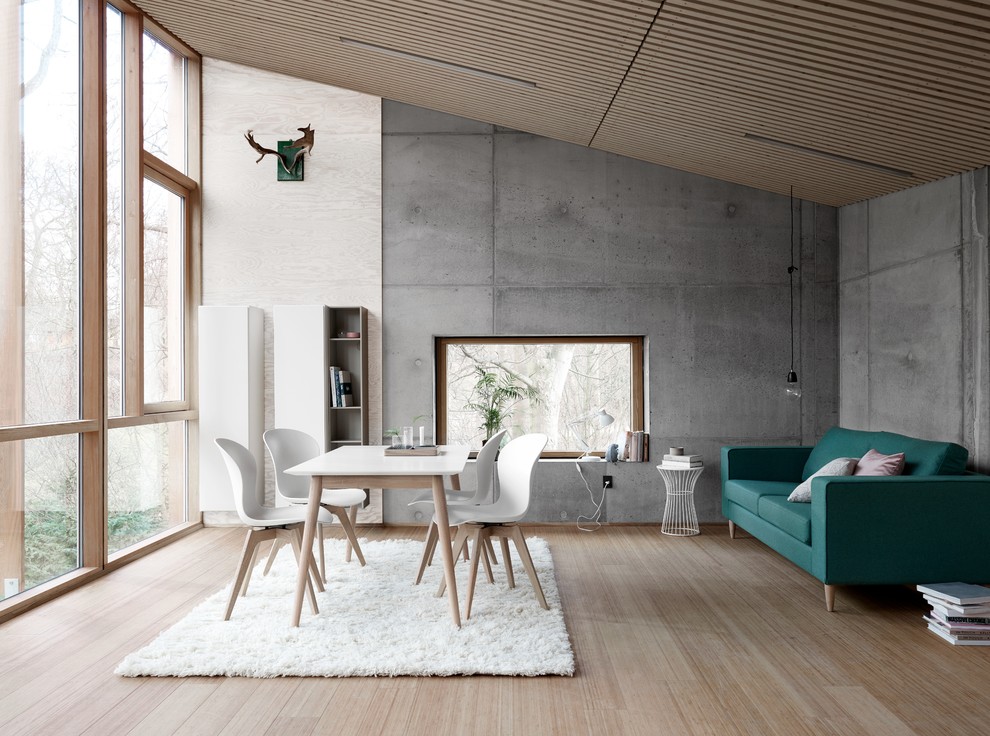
958	593
422	450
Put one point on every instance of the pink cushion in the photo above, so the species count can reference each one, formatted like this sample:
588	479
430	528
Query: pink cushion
873	463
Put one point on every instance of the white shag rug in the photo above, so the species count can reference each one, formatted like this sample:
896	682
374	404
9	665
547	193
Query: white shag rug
373	622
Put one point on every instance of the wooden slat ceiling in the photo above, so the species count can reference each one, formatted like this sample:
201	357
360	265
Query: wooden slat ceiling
844	100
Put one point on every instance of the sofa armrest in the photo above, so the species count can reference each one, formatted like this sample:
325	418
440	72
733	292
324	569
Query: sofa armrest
785	463
904	529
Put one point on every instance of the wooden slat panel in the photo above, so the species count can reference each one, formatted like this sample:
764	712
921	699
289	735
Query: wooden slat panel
900	83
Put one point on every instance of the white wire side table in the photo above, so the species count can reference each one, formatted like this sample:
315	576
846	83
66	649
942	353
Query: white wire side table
679	516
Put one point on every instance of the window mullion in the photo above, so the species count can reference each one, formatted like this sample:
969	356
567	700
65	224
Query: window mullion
133	297
93	269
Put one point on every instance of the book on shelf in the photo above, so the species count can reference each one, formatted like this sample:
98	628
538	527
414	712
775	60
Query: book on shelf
959	640
346	389
341	388
958	593
334	398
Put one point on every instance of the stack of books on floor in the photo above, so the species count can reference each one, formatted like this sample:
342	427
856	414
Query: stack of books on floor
682	461
960	612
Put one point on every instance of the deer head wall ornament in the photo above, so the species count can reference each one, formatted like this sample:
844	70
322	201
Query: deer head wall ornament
289	154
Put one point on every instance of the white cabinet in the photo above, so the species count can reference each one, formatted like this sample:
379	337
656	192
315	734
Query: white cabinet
231	397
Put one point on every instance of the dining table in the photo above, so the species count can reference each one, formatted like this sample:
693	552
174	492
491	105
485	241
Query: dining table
368	466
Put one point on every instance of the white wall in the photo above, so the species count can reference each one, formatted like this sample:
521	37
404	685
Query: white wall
318	241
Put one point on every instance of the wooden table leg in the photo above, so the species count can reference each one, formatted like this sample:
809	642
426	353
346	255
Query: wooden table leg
443	531
306	553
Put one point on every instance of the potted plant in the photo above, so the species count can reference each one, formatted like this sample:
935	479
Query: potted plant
495	396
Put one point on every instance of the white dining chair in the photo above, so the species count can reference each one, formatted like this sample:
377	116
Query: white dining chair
484	466
289	447
479	524
264	523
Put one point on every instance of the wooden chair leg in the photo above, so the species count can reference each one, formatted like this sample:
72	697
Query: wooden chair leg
253	538
459	542
527	561
481	550
320	539
276	546
507	561
475	533
251	564
352	516
294	539
345	524
491	550
732	530
829	598
431	542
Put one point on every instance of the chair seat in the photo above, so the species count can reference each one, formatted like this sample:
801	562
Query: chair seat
288	515
340	497
453	497
479	514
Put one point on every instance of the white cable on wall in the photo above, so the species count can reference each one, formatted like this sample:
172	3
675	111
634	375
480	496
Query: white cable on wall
594	518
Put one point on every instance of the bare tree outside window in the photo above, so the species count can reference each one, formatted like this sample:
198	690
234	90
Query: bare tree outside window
554	385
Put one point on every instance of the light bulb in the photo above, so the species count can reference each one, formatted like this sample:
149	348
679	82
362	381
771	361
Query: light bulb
793	387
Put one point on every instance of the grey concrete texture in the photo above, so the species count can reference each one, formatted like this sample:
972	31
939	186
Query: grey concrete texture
567	215
914	223
853	241
916	348
437	209
400	118
915	332
412	316
592	243
854	353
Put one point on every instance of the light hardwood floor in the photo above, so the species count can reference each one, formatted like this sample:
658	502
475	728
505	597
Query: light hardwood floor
702	635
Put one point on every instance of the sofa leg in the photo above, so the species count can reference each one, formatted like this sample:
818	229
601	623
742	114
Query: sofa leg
732	530
829	598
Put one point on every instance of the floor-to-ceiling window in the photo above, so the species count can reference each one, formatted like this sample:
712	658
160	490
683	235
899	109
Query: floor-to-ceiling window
98	204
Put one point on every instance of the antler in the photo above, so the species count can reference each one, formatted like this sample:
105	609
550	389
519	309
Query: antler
265	151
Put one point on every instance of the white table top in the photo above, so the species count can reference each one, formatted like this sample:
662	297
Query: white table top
371	460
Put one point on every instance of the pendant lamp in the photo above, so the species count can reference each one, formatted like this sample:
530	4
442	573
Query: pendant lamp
793	387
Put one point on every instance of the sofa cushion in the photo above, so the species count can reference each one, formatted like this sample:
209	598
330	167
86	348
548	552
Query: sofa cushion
875	463
841	466
793	518
747	493
921	457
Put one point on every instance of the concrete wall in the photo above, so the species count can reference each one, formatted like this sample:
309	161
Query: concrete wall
317	241
488	231
913	313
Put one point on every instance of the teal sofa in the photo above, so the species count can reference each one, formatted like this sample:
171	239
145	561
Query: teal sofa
930	524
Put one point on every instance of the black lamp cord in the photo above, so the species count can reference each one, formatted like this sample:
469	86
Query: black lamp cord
790	273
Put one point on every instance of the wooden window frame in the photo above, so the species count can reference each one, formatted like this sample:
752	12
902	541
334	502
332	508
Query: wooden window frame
94	422
637	345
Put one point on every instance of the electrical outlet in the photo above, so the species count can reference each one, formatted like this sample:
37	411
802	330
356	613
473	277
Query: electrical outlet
606	482
11	587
